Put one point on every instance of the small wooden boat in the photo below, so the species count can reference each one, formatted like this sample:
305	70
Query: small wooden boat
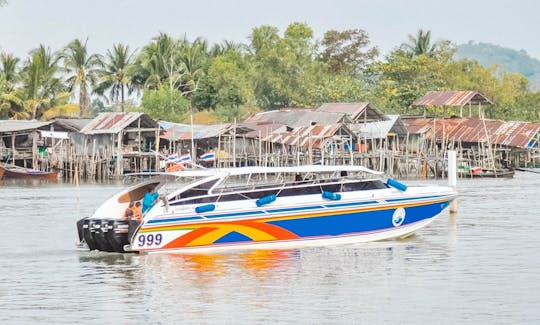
12	171
495	173
479	172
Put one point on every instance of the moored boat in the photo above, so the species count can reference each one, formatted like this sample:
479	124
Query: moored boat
479	172
12	171
264	207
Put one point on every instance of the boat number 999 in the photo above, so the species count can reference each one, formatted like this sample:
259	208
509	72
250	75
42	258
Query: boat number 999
150	239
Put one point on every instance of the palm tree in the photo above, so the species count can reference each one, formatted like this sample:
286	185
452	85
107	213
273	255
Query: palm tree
82	69
41	88
8	78
193	57
8	70
158	63
226	46
117	73
421	44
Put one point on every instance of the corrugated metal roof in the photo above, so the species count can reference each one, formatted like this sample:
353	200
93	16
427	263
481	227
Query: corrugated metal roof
417	125
452	98
262	129
381	129
354	110
180	132
73	123
299	117
113	122
475	130
308	136
21	125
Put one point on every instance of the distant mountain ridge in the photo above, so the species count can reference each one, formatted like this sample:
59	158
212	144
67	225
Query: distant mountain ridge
508	59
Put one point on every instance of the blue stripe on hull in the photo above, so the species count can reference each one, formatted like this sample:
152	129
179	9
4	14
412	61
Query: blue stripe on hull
369	221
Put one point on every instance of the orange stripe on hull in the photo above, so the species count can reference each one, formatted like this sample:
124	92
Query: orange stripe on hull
189	237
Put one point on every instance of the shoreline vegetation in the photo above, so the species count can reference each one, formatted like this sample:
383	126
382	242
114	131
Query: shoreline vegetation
173	79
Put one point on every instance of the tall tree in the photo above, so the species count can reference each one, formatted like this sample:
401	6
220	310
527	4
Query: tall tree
159	64
346	52
41	86
82	69
9	70
9	75
193	57
117	74
420	44
285	67
402	79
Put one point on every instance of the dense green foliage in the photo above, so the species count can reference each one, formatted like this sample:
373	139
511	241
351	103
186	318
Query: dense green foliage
173	78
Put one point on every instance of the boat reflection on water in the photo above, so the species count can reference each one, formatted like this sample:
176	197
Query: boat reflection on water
201	268
256	262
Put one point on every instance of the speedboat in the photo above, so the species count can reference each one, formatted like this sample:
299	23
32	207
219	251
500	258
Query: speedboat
263	208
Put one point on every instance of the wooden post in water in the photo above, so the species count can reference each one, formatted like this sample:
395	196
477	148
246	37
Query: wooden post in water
452	177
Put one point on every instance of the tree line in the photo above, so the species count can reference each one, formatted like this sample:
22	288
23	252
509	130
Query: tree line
172	78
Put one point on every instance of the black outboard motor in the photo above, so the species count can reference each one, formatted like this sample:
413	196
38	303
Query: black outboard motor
81	224
87	232
100	230
117	234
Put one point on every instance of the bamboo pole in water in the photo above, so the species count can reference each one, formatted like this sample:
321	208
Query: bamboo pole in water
452	177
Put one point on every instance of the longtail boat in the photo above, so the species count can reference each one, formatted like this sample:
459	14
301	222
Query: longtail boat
12	171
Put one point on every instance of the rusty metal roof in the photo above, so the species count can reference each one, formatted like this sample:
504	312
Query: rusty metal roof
263	129
476	130
310	136
417	125
295	117
112	122
452	98
354	110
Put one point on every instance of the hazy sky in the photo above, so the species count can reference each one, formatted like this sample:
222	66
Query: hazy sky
24	24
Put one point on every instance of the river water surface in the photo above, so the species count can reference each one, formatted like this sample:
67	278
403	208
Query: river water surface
479	266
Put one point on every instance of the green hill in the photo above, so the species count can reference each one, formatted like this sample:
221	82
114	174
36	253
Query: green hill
508	59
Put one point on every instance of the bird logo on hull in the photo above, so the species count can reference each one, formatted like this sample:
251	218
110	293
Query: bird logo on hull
398	217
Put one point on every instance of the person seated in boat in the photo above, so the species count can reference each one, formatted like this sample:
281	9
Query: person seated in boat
128	214
149	199
137	211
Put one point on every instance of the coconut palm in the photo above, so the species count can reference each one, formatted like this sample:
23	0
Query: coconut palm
41	87
9	73
117	74
158	64
420	44
193	57
82	69
8	78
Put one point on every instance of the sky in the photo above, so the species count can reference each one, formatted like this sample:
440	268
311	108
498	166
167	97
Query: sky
24	24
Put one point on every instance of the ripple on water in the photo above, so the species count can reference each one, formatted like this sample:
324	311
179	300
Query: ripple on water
479	266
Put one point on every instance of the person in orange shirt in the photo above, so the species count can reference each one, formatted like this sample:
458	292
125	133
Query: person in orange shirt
137	211
128	214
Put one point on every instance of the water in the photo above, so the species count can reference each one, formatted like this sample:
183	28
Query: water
480	267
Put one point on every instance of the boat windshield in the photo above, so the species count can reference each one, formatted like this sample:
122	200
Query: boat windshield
255	185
